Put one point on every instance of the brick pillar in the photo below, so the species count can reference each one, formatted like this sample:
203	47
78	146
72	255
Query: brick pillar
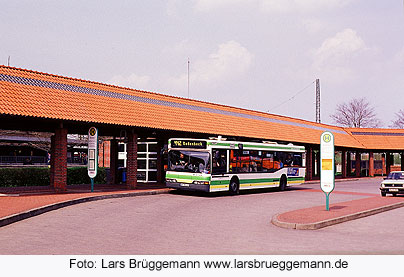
402	161
358	164
131	161
371	165
348	163
313	164
159	165
388	163
60	160
309	163
343	163
113	162
52	162
318	163
383	164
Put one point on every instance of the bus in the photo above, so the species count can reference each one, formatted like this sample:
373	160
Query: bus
214	165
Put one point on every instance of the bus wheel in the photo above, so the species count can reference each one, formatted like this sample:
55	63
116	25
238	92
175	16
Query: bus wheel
282	183
233	187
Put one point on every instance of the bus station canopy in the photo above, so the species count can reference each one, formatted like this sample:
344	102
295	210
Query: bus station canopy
36	95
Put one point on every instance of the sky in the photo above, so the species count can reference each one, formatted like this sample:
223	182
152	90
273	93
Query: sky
261	55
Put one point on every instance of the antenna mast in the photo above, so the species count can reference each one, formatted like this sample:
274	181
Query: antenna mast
188	77
318	101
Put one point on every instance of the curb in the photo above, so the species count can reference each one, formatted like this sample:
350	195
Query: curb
37	211
325	223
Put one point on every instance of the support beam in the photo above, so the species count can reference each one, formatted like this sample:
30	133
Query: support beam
358	164
348	164
159	165
388	163
60	160
113	162
318	163
131	161
309	163
402	160
343	163
52	162
371	165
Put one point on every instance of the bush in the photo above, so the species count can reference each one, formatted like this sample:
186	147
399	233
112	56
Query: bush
39	176
24	176
79	175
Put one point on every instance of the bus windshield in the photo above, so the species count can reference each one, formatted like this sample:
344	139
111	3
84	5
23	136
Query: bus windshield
189	161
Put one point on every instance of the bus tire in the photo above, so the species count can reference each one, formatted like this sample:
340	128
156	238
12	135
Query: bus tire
282	183
234	187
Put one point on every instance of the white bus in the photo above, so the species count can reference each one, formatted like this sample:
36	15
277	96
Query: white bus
220	165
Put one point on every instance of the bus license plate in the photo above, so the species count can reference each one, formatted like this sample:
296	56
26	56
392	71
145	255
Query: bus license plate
395	190
184	185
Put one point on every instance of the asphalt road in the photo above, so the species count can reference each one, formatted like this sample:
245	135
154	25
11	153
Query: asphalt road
188	223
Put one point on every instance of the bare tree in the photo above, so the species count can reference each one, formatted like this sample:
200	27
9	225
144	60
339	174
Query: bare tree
356	113
399	122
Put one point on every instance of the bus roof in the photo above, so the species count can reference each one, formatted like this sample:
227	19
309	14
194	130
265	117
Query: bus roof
188	143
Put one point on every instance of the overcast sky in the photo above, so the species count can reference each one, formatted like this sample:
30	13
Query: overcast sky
254	54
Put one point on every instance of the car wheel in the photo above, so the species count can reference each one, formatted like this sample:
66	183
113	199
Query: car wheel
394	194
383	193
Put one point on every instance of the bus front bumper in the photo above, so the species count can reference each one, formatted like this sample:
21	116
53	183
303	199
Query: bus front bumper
185	186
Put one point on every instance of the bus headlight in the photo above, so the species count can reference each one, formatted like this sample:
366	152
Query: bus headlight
200	182
171	180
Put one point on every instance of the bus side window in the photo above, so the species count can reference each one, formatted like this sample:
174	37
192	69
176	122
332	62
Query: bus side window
219	161
267	161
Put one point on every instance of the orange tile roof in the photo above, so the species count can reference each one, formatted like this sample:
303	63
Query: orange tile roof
36	94
387	139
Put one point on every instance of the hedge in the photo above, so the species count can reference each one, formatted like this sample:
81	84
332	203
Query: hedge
39	176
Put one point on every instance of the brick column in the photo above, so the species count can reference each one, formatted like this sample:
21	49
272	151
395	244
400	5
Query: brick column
402	160
371	165
60	160
318	164
159	165
131	161
309	163
388	163
348	163
113	162
358	164
52	162
343	163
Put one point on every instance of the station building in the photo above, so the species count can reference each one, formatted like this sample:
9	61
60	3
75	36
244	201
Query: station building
136	125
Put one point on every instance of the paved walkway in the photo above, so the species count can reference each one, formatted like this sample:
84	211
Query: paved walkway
318	217
22	202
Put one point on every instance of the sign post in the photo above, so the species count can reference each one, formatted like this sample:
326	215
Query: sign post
327	159
92	164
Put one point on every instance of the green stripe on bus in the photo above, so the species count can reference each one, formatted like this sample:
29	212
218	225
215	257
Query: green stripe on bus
190	177
263	180
219	182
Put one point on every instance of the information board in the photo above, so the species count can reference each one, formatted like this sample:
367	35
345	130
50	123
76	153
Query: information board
327	160
92	164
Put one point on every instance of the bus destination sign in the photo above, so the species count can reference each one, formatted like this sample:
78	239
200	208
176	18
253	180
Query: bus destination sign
197	144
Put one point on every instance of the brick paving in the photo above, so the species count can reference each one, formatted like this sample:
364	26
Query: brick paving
319	213
21	199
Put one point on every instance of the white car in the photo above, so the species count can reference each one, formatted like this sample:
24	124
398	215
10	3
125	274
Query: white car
394	183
